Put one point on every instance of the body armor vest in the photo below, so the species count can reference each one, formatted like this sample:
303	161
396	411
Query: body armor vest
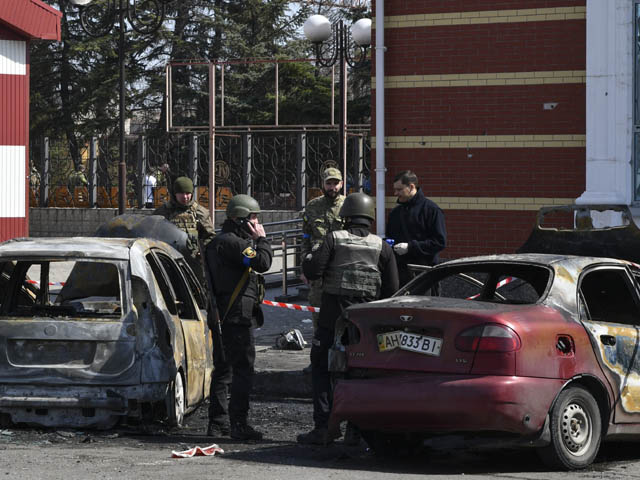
353	271
185	220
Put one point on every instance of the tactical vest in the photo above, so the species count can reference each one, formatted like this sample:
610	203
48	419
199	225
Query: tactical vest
353	271
185	220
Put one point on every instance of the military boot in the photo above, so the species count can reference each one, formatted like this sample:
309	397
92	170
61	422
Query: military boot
243	431
218	429
317	436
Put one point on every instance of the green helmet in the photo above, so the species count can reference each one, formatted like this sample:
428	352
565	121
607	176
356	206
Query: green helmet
241	206
358	205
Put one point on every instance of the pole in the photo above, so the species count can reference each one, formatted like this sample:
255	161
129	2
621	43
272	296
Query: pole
342	45
122	166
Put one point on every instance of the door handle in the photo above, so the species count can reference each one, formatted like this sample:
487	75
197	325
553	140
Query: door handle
608	340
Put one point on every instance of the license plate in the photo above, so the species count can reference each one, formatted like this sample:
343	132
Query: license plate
409	341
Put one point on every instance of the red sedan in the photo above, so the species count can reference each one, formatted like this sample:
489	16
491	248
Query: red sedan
539	350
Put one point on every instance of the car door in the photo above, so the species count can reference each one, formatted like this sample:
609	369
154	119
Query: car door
610	311
193	329
202	302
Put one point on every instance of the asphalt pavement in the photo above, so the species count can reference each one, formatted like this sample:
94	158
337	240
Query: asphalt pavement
279	372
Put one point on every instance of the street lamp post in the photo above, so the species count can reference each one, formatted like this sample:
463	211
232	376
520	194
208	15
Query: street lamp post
98	19
318	30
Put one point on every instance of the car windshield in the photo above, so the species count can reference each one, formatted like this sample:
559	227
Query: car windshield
500	282
66	288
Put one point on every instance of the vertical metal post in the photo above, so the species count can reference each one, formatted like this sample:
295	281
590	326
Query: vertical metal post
142	171
45	169
93	172
247	161
333	94
122	166
192	167
277	94
342	45
221	93
212	143
284	265
301	167
358	164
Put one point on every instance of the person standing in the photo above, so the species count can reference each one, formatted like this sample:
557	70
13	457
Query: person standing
356	267
321	216
184	212
149	188
77	179
416	226
233	258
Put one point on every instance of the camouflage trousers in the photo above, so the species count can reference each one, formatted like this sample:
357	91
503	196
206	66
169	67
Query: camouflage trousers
315	298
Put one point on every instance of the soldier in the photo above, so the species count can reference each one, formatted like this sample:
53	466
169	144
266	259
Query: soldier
321	216
77	179
233	258
356	267
185	213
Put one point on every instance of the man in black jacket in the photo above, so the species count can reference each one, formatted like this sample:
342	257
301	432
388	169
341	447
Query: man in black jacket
233	258
416	226
356	267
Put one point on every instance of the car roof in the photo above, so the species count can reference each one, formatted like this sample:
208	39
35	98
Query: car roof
537	258
92	247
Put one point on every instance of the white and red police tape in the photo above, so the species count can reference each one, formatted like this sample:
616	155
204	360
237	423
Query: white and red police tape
291	306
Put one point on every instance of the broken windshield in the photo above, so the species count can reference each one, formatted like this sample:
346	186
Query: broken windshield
501	282
66	288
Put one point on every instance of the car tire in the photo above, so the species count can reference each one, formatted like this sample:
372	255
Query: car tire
392	444
175	401
576	430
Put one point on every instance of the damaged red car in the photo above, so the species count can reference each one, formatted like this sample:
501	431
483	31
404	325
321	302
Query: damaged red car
534	349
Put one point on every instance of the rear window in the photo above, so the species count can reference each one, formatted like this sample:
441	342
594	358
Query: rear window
509	283
68	288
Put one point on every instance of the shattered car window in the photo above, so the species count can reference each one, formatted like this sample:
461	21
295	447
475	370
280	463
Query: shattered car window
609	296
508	283
61	288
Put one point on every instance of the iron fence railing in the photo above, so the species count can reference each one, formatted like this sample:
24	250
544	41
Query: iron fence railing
282	170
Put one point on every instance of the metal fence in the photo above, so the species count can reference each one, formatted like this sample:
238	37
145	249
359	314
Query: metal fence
280	169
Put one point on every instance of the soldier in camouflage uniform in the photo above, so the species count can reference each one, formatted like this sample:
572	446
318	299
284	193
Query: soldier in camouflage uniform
321	216
185	213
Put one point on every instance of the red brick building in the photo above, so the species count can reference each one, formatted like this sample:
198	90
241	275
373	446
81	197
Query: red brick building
504	106
21	21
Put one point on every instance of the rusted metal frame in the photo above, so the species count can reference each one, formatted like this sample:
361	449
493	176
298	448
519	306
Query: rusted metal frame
171	128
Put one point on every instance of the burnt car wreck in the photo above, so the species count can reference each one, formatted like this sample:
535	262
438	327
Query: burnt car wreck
96	329
535	349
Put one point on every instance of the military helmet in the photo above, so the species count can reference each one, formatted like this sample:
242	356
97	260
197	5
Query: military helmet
358	205
241	206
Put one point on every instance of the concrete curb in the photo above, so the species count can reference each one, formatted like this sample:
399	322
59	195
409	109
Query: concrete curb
278	373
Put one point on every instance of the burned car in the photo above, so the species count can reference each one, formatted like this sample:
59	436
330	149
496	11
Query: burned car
533	349
96	329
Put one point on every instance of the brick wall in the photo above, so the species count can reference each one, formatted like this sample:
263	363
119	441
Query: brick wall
485	102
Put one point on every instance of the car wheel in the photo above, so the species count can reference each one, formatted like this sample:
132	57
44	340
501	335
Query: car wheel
575	427
175	402
392	444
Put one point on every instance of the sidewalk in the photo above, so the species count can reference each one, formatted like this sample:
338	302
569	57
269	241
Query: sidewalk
279	372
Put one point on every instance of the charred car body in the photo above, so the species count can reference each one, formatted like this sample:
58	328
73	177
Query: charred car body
95	329
532	348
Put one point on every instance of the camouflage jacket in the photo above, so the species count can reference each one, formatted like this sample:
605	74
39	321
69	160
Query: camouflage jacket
320	216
